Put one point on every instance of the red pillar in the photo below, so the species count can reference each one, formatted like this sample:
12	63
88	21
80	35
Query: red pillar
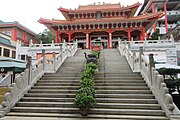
69	37
110	40
165	15
57	35
14	34
24	37
61	39
153	11
129	34
87	41
143	33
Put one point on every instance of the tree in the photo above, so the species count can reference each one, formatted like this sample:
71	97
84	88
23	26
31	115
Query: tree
46	36
155	35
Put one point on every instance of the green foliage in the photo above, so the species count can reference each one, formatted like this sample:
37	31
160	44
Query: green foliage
83	100
86	82
97	53
85	97
89	90
169	71
91	65
155	35
46	36
172	83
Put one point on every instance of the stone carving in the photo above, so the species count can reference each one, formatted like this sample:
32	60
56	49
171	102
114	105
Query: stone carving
19	82
169	102
8	97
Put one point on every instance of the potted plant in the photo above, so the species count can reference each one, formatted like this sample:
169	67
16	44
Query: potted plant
85	99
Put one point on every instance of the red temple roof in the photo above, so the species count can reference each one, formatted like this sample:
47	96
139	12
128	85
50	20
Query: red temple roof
100	7
147	16
106	7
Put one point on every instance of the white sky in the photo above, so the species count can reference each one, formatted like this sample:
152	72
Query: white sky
28	12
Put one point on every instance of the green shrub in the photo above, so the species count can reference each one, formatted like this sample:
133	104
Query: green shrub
88	90
83	100
86	82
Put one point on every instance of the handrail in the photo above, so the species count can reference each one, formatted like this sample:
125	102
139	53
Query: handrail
5	81
154	80
25	80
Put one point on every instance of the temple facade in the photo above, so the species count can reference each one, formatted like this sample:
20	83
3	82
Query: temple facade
105	23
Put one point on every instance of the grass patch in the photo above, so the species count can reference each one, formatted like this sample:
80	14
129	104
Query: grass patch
3	90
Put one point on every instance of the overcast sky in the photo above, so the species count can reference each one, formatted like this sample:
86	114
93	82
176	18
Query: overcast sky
28	12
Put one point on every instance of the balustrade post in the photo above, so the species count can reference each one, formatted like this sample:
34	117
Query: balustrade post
133	60
61	53
151	65
29	66
54	60
140	53
44	58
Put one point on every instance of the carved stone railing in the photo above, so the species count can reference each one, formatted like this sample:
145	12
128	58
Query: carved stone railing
140	63
5	81
25	80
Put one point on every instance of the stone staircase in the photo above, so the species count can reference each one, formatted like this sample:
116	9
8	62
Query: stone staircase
121	94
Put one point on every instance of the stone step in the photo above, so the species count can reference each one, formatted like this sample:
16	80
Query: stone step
99	105
102	100
98	91
105	83
118	78
41	88
92	111
113	87
115	82
117	75
61	78
75	116
98	95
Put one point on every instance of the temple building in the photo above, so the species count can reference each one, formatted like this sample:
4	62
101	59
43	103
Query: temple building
171	9
106	23
16	31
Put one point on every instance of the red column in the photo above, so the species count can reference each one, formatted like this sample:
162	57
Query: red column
143	33
69	37
24	37
87	41
153	11
165	15
110	40
14	34
129	34
57	35
60	38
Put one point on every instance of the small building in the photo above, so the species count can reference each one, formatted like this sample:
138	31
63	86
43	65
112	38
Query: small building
7	46
171	10
110	22
16	31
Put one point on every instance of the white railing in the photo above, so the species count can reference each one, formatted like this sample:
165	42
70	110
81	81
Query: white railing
25	80
152	77
5	81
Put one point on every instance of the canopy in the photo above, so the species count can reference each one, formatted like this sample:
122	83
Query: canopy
10	64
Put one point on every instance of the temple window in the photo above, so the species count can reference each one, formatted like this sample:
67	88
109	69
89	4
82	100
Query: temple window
20	34
98	15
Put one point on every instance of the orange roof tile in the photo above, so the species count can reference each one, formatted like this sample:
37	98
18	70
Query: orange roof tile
103	7
99	7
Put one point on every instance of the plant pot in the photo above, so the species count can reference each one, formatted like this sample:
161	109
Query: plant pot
84	111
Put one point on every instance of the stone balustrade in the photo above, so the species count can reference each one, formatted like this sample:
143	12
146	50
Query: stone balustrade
25	80
155	81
